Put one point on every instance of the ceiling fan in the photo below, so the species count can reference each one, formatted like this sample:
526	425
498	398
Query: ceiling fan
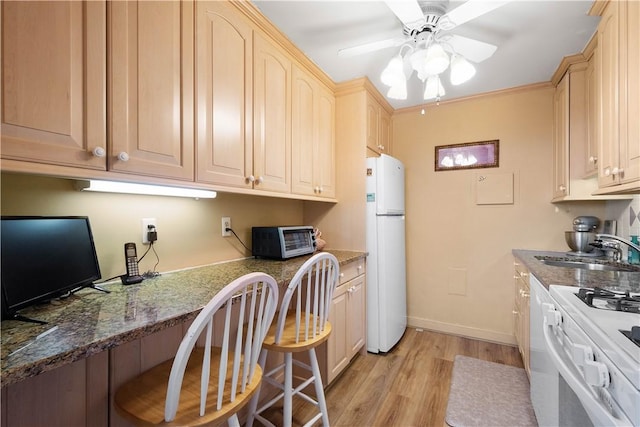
427	47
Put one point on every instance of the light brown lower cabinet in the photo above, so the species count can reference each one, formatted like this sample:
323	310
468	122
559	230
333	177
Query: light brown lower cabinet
72	395
521	312
347	319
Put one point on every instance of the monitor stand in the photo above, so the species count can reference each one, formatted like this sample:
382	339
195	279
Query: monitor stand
26	319
92	286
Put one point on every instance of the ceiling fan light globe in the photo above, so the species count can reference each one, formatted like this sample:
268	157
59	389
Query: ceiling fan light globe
461	70
433	89
417	59
398	91
436	60
393	72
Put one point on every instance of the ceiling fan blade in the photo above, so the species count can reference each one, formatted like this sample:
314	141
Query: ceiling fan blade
471	49
370	47
468	11
408	12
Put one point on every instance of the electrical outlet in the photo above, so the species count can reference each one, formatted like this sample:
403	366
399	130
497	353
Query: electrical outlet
226	223
146	222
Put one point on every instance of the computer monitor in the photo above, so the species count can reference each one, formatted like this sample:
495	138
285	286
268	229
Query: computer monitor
44	257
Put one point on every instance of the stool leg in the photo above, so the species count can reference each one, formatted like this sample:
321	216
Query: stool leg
288	390
253	405
233	421
322	403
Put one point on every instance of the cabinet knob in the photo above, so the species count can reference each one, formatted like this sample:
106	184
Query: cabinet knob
251	178
316	189
359	267
593	160
617	171
320	189
260	180
607	172
99	152
562	188
123	156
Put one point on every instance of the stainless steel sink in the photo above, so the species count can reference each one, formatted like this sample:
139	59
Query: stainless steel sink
588	264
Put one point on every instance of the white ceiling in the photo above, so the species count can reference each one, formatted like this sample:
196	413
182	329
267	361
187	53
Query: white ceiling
532	38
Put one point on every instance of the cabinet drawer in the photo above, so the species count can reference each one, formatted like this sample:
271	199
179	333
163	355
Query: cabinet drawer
351	270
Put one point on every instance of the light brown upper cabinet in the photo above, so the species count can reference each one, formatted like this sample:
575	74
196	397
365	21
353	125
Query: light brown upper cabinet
272	117
224	103
561	139
313	123
590	158
619	93
53	83
378	127
151	88
243	88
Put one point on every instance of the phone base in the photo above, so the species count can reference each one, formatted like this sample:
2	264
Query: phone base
130	280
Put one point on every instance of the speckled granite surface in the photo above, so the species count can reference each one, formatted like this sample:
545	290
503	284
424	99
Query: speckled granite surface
551	275
90	321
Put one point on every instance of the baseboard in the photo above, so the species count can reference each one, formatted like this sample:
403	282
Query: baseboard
464	331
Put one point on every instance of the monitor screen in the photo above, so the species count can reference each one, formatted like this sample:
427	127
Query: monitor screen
43	258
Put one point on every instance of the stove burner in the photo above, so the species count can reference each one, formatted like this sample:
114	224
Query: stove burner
610	300
633	335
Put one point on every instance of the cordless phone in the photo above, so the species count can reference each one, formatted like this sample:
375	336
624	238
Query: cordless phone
131	260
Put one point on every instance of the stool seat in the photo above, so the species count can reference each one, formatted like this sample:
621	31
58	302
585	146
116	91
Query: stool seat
288	341
142	399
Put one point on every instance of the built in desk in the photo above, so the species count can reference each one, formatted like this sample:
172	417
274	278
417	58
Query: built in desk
89	322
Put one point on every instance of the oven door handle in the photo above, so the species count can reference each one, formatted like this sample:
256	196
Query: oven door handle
584	393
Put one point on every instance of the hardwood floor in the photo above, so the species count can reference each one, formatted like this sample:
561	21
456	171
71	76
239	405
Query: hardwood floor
409	386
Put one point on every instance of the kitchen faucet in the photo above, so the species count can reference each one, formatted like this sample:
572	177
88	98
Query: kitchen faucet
615	246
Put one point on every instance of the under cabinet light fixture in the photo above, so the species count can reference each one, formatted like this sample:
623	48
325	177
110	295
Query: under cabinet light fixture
147	189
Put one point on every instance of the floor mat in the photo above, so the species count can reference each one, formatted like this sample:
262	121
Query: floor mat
488	394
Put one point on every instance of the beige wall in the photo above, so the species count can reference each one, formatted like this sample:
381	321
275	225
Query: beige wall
459	262
189	230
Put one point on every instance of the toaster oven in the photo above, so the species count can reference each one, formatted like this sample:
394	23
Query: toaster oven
282	242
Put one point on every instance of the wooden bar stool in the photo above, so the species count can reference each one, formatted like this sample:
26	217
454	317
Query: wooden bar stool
176	392
302	325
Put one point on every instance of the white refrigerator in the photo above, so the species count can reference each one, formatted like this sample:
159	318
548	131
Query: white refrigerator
386	263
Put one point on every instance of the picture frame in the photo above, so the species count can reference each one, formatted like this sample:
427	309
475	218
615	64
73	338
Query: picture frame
469	155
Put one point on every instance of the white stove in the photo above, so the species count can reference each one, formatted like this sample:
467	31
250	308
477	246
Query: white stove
595	330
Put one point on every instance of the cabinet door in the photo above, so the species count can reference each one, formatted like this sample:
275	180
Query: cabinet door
630	92
373	125
272	117
608	49
151	88
356	314
313	145
338	354
224	46
385	132
561	139
591	152
53	82
324	157
302	122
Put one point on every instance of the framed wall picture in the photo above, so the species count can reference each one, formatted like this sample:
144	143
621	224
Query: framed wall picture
470	155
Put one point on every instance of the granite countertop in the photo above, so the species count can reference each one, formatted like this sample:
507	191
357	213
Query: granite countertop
552	275
91	321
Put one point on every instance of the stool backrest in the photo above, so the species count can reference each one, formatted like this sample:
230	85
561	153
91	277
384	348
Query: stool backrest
248	305
310	293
